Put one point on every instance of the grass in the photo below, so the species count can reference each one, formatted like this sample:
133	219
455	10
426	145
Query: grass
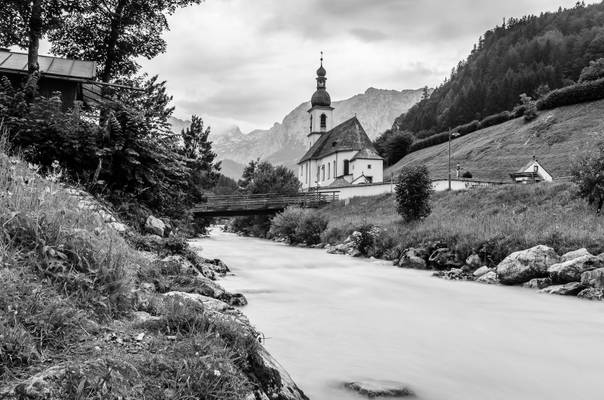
556	138
494	221
70	287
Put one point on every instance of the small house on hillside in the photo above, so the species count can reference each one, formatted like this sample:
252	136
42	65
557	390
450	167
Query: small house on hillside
532	172
72	78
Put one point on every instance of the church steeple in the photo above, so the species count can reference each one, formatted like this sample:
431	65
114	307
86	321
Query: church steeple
321	97
321	113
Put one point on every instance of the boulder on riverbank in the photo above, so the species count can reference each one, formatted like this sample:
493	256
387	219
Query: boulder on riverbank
490	278
571	255
594	278
569	289
571	270
481	271
591	294
375	388
522	266
538	283
155	226
414	258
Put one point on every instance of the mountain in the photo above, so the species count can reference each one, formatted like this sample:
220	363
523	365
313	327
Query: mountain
527	55
284	144
178	124
557	138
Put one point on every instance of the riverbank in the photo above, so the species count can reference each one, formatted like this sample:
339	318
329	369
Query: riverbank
91	309
469	235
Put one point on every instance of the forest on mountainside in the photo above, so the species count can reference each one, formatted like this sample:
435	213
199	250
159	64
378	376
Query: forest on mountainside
532	55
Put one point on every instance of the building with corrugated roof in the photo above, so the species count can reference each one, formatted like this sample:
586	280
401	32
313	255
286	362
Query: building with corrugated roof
69	77
336	156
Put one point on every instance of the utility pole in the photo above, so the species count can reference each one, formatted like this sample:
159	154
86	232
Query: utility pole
451	135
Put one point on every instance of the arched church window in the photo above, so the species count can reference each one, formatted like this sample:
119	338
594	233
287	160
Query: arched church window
323	121
346	167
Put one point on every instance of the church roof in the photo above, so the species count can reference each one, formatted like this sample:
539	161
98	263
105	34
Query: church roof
348	136
367	154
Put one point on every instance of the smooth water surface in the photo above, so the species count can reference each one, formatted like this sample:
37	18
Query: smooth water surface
330	319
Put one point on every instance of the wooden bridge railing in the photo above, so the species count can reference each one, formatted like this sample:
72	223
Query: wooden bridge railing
263	202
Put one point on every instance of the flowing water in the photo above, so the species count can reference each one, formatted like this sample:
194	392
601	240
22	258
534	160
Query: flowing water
330	319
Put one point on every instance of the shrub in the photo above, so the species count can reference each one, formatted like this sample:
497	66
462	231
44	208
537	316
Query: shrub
587	174
310	228
297	225
286	223
593	72
495	119
467	175
574	94
530	107
429	142
413	191
16	347
518	111
468	128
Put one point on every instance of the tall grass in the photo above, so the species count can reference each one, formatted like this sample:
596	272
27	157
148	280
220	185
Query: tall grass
496	220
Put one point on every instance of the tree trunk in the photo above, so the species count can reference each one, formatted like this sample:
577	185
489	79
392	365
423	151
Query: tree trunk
114	34
35	33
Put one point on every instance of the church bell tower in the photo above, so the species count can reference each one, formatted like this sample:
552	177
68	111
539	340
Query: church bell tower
321	113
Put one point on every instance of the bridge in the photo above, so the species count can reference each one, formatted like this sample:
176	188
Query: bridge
257	204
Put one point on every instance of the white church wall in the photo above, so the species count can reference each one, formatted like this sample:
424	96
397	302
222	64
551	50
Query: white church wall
372	168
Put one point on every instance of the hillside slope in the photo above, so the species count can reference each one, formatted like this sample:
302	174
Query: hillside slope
557	138
284	142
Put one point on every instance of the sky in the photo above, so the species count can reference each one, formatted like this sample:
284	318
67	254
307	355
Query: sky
249	62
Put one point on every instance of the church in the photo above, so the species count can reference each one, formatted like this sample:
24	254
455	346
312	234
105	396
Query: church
337	156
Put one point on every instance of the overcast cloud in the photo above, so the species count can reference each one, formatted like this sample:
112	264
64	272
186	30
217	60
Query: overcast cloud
250	62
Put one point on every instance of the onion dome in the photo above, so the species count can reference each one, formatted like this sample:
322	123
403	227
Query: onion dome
321	98
321	71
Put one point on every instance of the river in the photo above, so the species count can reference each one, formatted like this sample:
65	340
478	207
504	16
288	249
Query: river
330	319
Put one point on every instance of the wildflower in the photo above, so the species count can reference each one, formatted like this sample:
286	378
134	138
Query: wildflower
216	372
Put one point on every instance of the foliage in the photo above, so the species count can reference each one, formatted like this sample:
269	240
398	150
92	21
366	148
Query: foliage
530	107
574	94
393	145
494	119
115	33
429	142
263	177
413	191
285	224
298	225
593	72
225	185
467	175
587	174
517	57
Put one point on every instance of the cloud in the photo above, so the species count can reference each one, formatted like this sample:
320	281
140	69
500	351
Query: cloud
251	62
368	35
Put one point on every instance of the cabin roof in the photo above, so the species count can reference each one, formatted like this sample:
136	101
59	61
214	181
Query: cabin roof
348	136
61	68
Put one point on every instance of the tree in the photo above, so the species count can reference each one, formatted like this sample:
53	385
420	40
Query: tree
260	177
413	191
588	174
397	146
594	71
24	22
115	33
530	107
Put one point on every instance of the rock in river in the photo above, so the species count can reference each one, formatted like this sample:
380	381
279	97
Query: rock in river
571	270
522	266
374	388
